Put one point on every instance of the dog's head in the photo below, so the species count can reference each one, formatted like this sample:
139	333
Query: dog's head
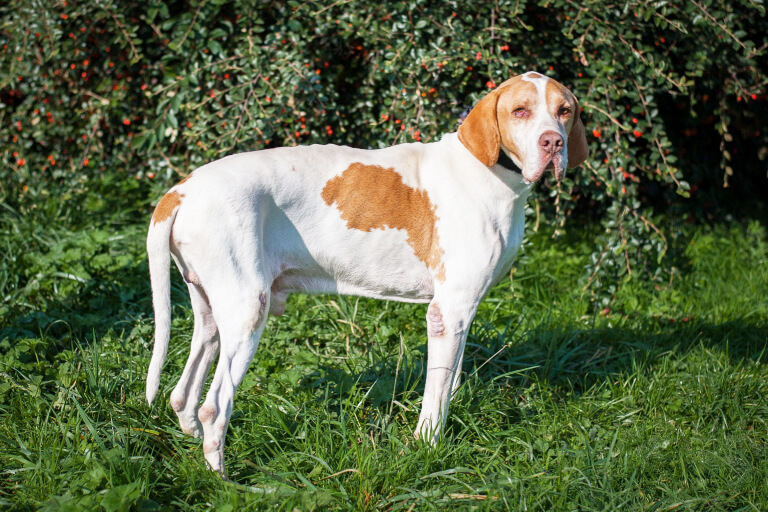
535	120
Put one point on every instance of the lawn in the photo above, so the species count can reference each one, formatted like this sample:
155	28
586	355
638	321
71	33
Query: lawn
657	400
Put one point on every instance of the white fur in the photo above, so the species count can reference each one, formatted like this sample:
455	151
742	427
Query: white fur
541	121
253	227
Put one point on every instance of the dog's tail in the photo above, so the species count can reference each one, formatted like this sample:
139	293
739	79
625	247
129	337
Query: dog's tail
159	258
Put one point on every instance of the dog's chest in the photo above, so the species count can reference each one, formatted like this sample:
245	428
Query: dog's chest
511	244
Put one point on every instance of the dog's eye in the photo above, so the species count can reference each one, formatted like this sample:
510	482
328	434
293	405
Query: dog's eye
564	111
521	112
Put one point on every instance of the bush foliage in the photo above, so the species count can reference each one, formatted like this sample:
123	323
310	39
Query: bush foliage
103	101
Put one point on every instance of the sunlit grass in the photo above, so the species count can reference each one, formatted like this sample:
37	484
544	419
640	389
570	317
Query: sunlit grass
657	402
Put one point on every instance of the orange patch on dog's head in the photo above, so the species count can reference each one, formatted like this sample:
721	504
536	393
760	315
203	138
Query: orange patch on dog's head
485	129
166	206
557	96
513	94
372	197
492	124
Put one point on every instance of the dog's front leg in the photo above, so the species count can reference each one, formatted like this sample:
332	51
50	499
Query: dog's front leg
447	327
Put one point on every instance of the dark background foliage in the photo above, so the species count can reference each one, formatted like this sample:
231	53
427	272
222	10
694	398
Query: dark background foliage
106	103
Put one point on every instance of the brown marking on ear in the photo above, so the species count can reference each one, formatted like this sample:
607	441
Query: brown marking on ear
578	150
533	74
480	130
166	206
372	197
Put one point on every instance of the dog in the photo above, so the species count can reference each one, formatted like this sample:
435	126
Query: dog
437	223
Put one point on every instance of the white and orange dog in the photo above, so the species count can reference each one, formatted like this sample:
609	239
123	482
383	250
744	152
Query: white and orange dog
436	223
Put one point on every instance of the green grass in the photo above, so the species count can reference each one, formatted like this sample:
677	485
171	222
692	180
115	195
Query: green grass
655	402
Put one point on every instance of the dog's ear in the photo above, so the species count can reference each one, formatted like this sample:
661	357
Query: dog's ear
480	130
578	150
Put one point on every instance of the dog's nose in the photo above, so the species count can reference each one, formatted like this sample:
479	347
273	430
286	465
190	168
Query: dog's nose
551	142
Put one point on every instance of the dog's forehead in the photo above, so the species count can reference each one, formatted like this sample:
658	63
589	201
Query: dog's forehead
548	90
518	90
535	78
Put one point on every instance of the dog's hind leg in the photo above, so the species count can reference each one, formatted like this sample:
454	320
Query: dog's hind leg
185	398
241	320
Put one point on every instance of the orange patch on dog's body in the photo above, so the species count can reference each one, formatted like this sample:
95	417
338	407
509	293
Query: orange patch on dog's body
185	179
166	206
372	197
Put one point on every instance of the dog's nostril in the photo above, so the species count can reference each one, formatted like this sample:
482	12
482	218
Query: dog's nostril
551	141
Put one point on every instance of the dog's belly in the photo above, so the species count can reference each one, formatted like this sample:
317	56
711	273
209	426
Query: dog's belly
295	281
378	264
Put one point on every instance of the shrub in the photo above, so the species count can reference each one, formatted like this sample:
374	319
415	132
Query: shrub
146	91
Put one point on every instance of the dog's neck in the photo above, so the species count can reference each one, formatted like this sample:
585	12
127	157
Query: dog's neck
507	162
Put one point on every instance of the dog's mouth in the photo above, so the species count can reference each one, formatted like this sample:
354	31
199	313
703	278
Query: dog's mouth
557	164
554	162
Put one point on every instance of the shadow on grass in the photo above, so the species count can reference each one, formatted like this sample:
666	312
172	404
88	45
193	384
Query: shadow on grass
570	361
